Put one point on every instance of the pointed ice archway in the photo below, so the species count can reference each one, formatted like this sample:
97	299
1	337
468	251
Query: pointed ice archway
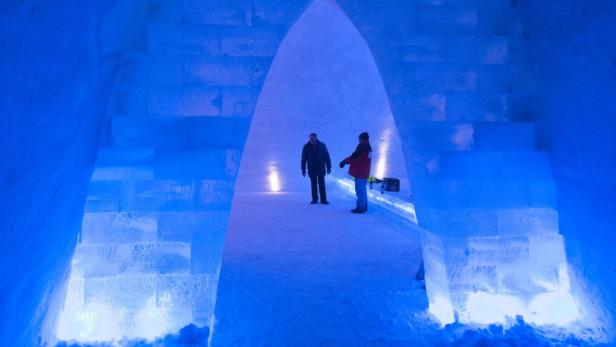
293	273
323	80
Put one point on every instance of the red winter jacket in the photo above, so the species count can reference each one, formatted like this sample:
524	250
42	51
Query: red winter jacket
360	161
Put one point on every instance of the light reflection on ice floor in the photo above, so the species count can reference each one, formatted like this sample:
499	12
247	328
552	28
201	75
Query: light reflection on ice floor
393	202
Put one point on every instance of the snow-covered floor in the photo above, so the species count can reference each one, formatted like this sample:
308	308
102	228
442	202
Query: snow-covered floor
295	274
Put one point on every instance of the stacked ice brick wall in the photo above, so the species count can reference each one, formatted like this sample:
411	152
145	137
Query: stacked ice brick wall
457	81
455	75
459	90
494	249
573	51
149	252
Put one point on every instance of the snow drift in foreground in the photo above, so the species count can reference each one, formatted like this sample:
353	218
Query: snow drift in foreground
520	334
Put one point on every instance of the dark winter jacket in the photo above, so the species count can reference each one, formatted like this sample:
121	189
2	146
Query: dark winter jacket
360	161
316	157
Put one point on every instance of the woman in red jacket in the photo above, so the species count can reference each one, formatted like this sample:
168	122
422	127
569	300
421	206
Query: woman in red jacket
360	161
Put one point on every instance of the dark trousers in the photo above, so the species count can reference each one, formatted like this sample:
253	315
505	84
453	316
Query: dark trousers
320	179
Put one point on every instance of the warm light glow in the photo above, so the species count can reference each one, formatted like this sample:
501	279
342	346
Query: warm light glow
383	150
274	180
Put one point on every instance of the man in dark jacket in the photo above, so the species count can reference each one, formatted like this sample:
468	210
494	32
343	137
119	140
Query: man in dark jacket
360	161
316	155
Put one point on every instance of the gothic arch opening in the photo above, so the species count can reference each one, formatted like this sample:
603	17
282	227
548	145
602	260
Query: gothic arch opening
290	268
324	80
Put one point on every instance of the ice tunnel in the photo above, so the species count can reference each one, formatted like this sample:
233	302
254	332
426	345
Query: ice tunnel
151	191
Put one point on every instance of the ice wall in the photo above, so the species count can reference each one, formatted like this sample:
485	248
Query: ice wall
57	63
154	223
442	76
457	78
151	239
572	45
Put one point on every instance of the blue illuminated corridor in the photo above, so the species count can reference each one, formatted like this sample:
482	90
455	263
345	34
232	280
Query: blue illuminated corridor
151	192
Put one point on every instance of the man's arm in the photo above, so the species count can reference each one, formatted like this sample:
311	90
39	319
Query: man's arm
358	150
304	158
328	160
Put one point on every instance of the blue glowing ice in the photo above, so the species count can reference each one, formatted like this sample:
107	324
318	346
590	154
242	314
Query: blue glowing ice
505	116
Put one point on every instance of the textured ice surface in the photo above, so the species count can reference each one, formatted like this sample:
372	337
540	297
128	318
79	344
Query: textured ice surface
493	279
491	244
577	126
149	251
58	60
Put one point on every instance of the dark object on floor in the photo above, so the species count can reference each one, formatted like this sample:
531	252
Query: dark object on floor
421	273
314	202
372	180
358	211
325	202
391	184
